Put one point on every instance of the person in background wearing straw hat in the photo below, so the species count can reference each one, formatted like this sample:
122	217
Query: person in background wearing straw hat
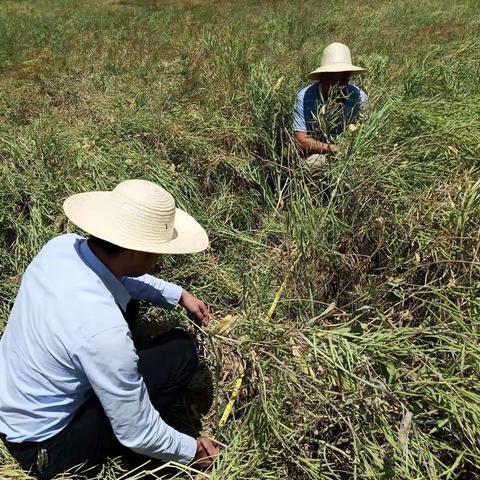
73	388
324	108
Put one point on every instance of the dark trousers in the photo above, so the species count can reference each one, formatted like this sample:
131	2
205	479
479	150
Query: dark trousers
167	366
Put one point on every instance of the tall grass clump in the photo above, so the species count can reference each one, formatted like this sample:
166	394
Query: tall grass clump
354	296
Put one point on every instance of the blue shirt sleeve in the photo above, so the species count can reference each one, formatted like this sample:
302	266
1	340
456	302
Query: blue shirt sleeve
122	392
154	290
364	103
299	123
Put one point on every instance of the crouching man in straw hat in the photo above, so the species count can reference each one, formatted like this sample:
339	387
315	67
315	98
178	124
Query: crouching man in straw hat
73	388
324	108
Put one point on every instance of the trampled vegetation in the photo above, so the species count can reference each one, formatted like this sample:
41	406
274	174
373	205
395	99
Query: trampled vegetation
369	365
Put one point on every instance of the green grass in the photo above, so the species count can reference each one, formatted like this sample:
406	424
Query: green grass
198	96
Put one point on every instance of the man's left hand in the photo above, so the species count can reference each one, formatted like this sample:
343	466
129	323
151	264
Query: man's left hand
196	309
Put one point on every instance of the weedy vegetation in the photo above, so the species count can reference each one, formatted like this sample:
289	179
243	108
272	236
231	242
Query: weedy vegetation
368	365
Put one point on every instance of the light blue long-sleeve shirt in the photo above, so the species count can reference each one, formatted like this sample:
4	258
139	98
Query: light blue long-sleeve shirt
66	336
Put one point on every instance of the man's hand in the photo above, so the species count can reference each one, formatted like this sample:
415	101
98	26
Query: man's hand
333	149
196	309
311	146
207	451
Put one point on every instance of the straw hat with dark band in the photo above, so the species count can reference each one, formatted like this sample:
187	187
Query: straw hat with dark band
138	215
335	58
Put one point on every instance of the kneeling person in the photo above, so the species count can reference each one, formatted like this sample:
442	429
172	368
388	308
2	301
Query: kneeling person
324	108
73	388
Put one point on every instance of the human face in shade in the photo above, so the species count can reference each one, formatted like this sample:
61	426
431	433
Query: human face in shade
332	81
140	263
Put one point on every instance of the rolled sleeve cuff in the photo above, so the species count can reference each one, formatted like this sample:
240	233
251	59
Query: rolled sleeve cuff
172	294
188	449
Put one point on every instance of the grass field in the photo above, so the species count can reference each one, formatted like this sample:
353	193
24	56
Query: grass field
198	96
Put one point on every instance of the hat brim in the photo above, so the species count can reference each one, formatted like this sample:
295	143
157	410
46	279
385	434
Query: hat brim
97	214
335	68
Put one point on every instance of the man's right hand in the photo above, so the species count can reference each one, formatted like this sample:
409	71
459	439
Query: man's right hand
310	146
207	451
333	149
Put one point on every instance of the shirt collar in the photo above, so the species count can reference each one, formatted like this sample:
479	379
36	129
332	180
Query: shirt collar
113	284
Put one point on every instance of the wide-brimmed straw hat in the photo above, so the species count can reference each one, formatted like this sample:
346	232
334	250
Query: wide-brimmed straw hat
335	58
138	215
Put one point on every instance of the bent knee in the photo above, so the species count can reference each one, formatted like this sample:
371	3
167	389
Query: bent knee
184	346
